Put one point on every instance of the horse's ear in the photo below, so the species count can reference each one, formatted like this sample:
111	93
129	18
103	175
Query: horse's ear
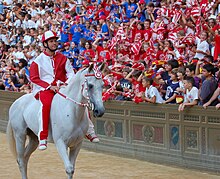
91	67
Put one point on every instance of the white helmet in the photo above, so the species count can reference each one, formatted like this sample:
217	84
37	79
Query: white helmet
48	35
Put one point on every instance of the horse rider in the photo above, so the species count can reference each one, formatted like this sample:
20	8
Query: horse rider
46	71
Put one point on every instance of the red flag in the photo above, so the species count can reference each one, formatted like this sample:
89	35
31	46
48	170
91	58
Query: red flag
188	39
120	35
172	36
198	26
206	7
176	16
135	47
112	43
196	11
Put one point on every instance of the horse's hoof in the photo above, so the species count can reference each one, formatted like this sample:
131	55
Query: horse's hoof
70	170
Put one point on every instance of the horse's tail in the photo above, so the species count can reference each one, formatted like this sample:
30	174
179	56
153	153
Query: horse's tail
11	139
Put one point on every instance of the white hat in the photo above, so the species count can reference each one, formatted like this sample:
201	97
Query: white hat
48	35
212	17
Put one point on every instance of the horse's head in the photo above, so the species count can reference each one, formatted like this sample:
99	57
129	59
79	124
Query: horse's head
94	83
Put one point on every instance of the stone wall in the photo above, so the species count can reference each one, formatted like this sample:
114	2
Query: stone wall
159	133
152	132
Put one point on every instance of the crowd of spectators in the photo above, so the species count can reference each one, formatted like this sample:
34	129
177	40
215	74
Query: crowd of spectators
156	51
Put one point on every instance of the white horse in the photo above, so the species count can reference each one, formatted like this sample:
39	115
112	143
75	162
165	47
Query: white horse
68	124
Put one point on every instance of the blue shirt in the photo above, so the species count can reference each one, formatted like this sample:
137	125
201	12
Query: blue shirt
105	29
86	34
130	9
67	54
64	37
171	89
76	31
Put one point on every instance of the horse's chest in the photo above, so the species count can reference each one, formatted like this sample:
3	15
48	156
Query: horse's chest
75	138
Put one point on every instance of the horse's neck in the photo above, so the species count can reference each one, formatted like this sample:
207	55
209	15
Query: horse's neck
74	89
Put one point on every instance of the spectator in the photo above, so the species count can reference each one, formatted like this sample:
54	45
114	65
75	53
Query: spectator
191	98
209	85
216	95
178	33
151	94
190	71
88	53
126	86
202	46
103	53
172	85
181	90
76	30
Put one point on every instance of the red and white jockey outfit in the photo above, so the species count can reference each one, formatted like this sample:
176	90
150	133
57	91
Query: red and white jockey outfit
47	71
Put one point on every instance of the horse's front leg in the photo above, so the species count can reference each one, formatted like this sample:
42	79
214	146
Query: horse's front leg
73	153
62	150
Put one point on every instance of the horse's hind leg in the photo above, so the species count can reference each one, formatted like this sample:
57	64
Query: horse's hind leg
20	148
31	146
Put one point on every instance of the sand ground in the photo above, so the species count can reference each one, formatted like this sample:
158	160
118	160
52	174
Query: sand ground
91	165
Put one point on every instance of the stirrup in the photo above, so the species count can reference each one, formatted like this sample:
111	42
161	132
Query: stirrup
92	137
42	145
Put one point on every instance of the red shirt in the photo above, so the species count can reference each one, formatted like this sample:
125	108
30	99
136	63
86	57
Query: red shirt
88	54
103	54
107	8
147	33
216	27
90	9
138	34
137	86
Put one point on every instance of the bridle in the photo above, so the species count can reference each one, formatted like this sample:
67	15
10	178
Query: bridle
97	74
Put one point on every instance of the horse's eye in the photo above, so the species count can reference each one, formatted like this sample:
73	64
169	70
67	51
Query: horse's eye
90	86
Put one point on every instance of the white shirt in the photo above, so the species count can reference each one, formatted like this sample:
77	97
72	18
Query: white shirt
42	12
39	23
27	39
17	23
18	55
30	24
191	95
4	38
33	55
153	91
34	12
201	46
8	2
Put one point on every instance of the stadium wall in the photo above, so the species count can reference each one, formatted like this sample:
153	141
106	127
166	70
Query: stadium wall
152	132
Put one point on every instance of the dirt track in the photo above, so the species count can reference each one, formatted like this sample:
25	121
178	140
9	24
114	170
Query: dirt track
91	165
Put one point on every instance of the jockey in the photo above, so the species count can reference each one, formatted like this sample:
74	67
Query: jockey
47	71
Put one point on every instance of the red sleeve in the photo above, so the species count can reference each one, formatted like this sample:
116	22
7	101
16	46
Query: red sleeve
35	78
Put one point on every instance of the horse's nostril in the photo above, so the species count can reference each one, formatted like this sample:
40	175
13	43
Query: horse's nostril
96	111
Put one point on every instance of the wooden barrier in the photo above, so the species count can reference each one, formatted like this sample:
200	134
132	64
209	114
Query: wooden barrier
152	132
6	99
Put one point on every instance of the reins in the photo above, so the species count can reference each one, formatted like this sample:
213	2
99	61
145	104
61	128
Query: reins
88	104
